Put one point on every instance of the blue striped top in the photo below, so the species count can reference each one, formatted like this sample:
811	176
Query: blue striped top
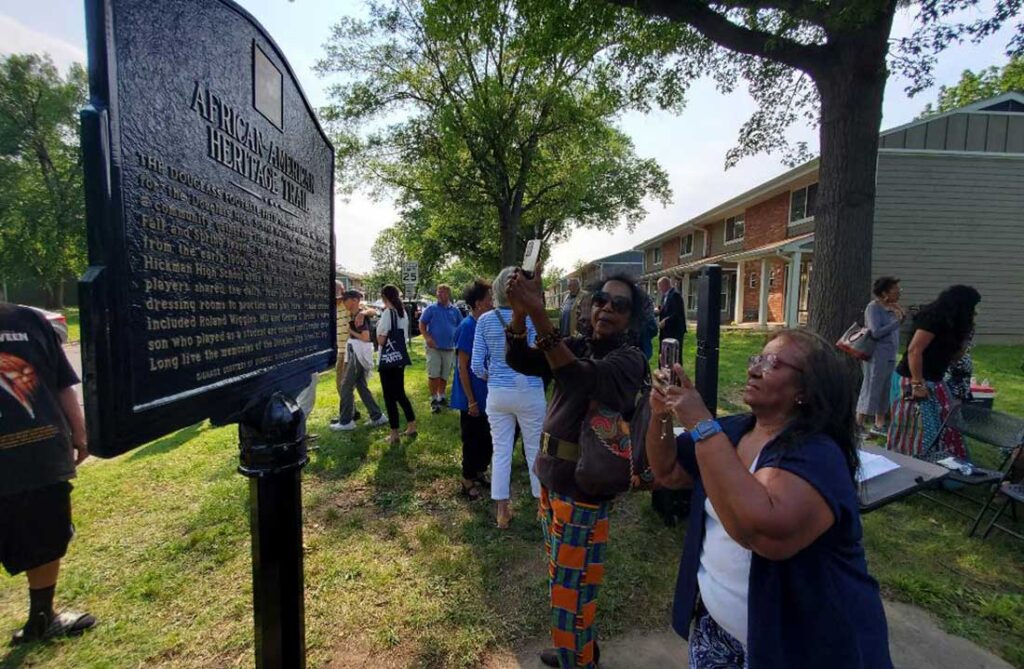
488	361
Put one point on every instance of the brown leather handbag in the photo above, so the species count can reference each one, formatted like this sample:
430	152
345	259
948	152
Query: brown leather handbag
605	467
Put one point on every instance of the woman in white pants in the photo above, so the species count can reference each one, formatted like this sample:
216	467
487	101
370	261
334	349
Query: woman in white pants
511	398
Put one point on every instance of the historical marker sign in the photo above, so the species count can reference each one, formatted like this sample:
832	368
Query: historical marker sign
210	206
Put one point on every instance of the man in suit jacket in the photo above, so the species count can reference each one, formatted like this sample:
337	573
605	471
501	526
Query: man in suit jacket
671	315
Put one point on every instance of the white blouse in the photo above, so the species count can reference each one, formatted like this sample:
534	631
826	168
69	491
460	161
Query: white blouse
384	324
724	574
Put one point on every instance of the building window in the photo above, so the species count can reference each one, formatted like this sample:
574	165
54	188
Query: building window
686	245
733	229
691	294
771	279
752	280
657	255
802	203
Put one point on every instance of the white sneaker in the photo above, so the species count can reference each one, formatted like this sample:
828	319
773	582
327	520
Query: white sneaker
343	427
381	420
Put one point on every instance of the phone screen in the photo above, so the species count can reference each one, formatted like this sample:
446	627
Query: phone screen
531	256
669	355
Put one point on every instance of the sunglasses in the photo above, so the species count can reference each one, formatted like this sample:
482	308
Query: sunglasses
767	362
619	303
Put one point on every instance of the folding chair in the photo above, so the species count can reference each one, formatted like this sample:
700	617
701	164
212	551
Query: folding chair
1012	489
1001	430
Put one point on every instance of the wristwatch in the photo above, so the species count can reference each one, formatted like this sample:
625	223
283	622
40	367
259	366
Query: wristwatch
706	428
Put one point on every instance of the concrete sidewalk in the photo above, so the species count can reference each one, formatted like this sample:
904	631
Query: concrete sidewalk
915	641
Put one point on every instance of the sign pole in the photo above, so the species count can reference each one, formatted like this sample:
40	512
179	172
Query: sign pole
272	453
709	327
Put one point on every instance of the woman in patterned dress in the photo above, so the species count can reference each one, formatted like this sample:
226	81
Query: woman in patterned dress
942	332
603	367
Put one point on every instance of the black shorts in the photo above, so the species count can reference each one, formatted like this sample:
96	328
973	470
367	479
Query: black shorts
35	527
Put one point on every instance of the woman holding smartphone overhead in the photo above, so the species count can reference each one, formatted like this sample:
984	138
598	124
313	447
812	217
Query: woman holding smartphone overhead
597	379
773	574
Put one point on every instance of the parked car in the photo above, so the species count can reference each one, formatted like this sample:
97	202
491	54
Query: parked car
57	320
414	307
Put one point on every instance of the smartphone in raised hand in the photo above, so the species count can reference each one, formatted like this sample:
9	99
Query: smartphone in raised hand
530	257
667	357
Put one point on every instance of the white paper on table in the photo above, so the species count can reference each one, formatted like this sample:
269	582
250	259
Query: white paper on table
873	466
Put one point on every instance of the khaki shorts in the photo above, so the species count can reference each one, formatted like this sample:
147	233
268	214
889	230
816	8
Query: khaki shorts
440	363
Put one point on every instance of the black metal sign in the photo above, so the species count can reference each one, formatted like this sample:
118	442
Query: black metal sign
210	205
709	327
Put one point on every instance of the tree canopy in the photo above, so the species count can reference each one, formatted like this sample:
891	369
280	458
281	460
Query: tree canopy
42	208
827	61
493	120
977	86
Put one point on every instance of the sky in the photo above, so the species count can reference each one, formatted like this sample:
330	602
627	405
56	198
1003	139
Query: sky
690	147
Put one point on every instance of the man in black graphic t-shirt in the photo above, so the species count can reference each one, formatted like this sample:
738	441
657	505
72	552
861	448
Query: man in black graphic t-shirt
42	439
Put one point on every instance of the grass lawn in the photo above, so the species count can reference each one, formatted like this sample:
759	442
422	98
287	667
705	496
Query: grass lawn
74	324
401	570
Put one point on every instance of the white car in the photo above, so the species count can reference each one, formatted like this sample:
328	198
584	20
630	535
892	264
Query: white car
59	323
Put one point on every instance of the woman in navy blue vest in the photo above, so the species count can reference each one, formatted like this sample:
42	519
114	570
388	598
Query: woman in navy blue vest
773	574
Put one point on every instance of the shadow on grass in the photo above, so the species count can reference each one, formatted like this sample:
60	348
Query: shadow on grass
168	443
17	656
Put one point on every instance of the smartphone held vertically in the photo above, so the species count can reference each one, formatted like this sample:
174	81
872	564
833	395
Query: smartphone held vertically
530	257
668	357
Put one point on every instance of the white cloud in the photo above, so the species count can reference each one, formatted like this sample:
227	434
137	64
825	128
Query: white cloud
16	37
356	226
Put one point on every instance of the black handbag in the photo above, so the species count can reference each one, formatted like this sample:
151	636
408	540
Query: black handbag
394	353
605	466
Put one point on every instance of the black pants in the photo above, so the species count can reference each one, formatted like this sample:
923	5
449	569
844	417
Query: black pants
477	447
392	384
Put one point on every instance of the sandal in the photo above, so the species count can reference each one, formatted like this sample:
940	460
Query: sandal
504	521
549	656
472	493
67	623
411	435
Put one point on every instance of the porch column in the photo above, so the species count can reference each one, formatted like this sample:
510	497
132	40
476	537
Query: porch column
737	315
793	291
684	289
762	303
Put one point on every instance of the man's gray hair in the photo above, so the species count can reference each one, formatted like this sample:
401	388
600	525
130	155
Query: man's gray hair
498	287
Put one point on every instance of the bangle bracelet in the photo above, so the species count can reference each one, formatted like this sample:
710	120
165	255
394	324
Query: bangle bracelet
512	334
546	342
472	404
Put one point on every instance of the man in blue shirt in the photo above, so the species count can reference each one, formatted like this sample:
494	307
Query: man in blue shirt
437	325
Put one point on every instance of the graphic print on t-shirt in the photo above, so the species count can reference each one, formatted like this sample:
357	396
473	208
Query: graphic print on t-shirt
19	380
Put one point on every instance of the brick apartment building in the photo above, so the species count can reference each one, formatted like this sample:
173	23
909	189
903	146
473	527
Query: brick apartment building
949	208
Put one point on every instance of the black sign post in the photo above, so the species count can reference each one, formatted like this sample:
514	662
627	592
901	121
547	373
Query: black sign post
273	453
210	288
709	327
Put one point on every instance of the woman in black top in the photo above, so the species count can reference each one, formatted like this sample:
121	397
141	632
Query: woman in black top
605	368
942	331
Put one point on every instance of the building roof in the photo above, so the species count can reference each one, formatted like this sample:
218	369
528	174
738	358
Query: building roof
624	257
802	242
1005	103
987	105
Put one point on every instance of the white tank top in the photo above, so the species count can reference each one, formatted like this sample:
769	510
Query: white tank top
724	574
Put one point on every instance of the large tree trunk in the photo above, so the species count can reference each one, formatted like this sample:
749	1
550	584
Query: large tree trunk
509	223
851	112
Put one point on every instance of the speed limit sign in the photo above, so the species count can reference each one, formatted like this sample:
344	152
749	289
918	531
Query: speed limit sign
410	271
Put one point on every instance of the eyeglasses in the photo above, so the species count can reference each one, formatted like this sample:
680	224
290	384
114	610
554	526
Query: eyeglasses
766	362
620	304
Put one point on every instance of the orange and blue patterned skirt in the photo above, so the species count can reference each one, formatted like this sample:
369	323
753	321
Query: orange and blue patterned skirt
575	539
